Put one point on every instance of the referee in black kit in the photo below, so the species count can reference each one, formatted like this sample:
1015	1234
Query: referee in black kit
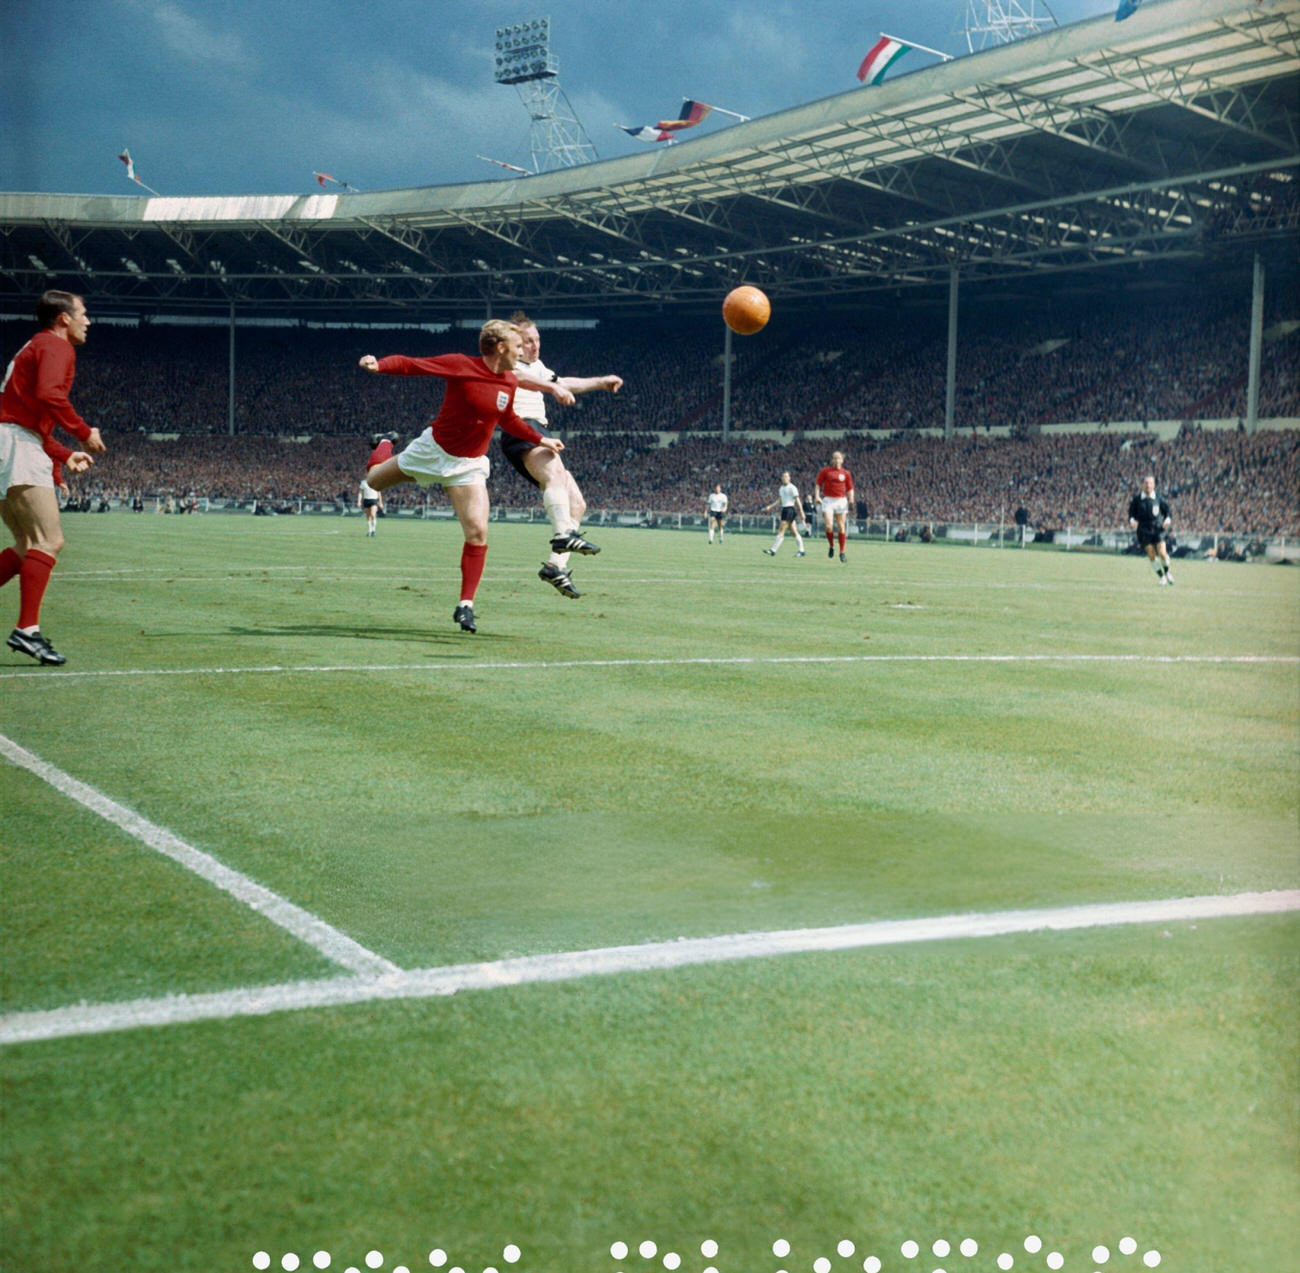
1150	515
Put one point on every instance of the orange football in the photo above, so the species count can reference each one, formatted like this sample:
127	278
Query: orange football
746	310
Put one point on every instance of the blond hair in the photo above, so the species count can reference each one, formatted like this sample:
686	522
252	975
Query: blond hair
493	333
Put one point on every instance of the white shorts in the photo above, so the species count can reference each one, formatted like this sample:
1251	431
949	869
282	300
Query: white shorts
426	462
23	461
835	504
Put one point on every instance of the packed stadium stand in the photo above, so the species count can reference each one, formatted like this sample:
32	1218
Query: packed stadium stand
1099	365
304	413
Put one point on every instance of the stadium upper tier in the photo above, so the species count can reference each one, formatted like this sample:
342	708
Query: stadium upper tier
1164	140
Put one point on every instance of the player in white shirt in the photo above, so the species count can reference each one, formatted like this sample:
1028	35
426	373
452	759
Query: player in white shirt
371	502
717	512
791	506
561	495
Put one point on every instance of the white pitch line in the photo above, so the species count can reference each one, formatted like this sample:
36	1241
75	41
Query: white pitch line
315	932
555	665
613	574
58	1023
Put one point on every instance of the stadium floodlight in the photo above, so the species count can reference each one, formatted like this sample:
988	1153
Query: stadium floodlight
989	22
522	56
523	52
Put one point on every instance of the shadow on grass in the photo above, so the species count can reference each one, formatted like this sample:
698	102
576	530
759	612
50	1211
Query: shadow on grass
344	631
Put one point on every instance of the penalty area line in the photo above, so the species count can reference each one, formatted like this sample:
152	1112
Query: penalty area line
29	1027
306	927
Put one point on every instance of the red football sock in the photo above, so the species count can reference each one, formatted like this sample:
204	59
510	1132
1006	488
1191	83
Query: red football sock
32	578
472	558
10	564
830	538
842	540
382	452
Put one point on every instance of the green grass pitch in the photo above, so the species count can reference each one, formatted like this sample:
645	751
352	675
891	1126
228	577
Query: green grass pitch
708	742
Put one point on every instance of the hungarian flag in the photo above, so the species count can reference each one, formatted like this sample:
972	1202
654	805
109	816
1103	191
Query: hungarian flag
882	55
125	157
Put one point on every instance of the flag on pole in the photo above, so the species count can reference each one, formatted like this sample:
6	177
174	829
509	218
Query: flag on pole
322	178
692	113
886	51
125	157
645	133
501	163
1127	8
881	56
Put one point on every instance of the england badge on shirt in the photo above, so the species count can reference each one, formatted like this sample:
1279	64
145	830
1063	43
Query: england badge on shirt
502	399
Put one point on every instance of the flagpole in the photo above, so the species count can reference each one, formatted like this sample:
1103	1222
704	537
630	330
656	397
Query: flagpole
323	177
722	110
920	48
125	156
501	163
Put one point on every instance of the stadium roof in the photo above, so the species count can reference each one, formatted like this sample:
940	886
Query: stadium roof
1170	139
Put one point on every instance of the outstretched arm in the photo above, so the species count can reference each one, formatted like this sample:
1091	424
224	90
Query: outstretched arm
556	388
590	384
448	366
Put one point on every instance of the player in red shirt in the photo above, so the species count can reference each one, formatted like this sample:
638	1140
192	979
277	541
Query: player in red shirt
835	495
33	402
452	451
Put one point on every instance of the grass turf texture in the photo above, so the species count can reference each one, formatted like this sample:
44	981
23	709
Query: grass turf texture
439	808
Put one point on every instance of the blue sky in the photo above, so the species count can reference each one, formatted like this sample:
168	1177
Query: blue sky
235	96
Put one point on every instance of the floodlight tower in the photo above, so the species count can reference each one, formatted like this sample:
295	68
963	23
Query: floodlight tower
524	59
987	22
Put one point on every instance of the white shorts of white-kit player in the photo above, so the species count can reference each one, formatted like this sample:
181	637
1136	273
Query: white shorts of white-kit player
426	462
23	461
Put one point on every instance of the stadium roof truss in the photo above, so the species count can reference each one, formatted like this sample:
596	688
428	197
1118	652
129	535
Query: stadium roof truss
1170	137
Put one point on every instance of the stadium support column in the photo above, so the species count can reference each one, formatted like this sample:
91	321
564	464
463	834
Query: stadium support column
950	394
726	384
230	377
1256	339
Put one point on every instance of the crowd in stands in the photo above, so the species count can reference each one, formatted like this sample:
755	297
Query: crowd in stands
1109	367
1220	480
1101	365
304	413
